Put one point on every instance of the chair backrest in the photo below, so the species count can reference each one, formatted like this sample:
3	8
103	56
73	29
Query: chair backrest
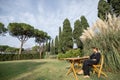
98	68
102	60
101	65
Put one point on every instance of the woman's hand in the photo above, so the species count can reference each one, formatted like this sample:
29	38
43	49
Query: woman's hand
86	56
94	59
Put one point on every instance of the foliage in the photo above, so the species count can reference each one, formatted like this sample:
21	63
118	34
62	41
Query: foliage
7	49
77	32
67	41
108	6
35	48
11	50
107	39
9	57
22	31
56	45
84	22
103	9
47	47
3	30
41	37
52	48
60	41
3	48
70	53
67	38
115	6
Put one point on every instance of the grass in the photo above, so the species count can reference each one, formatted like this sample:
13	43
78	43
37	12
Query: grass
46	69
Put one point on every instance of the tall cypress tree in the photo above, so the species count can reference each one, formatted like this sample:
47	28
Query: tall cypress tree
60	32
103	9
60	40
56	45
115	6
67	36
84	22
77	33
52	49
108	6
48	46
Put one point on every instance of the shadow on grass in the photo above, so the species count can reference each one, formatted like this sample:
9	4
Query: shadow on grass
9	70
111	76
43	78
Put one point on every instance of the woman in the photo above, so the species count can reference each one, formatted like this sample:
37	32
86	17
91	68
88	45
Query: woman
93	59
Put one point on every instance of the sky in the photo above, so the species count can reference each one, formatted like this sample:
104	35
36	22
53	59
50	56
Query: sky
46	15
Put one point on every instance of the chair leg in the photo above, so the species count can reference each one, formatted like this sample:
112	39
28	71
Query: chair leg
69	71
103	74
99	72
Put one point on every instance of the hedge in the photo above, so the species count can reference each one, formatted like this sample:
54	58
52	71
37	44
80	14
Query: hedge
70	53
9	57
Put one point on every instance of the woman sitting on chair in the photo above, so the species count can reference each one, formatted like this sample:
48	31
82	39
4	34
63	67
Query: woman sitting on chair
93	59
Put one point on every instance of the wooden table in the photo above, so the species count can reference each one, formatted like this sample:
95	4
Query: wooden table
73	61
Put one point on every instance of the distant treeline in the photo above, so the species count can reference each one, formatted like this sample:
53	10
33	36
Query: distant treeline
9	57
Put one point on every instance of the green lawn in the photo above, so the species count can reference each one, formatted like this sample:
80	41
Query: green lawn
45	69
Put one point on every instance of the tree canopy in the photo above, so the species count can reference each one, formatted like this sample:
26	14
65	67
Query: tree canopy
56	45
67	41
115	6
77	32
22	31
40	37
108	6
3	30
103	9
84	22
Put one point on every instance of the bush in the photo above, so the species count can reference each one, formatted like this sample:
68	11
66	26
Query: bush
105	36
61	55
8	57
70	53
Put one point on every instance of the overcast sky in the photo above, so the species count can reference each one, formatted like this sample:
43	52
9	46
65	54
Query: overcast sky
46	15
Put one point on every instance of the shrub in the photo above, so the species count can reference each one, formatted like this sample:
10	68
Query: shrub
60	56
106	37
8	57
70	53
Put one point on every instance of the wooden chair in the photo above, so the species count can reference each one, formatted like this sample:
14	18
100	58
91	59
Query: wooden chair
98	68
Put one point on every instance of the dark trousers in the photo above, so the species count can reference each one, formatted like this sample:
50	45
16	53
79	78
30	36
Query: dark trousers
87	64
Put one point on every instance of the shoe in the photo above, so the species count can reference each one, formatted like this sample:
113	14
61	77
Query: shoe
80	72
86	76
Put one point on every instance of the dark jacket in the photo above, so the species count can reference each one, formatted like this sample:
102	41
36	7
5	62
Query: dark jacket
96	56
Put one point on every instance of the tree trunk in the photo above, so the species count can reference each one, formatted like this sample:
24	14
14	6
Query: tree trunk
40	52
20	50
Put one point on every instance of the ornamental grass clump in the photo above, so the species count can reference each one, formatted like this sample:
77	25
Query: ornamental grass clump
106	36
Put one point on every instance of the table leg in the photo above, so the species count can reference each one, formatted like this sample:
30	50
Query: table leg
72	69
69	71
74	72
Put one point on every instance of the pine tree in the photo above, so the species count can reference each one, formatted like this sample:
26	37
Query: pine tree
84	22
67	36
77	32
